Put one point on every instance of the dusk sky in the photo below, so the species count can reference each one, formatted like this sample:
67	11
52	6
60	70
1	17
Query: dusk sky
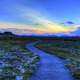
41	16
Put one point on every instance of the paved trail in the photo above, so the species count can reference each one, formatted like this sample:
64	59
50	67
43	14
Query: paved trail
51	67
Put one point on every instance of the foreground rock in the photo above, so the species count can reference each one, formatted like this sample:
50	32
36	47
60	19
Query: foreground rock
16	63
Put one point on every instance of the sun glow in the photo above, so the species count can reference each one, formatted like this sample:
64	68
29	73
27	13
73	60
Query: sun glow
44	26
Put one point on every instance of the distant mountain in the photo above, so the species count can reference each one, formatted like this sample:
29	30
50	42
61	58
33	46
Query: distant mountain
7	34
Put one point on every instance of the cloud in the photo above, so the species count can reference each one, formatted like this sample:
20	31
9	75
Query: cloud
70	22
45	25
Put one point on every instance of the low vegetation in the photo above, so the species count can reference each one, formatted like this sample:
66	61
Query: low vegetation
16	61
67	50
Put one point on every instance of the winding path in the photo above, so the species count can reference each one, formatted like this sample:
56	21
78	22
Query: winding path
51	67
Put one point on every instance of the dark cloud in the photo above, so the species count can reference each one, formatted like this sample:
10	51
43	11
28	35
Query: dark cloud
67	23
70	22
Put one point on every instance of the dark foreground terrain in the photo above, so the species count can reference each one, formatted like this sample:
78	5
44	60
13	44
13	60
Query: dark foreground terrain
17	62
67	49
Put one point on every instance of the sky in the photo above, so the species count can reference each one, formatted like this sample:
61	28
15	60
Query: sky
41	17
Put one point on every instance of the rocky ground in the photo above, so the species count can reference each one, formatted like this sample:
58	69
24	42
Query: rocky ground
16	62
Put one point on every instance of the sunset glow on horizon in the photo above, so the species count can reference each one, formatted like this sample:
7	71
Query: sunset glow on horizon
31	17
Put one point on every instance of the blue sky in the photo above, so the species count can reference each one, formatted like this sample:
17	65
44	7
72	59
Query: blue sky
58	11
